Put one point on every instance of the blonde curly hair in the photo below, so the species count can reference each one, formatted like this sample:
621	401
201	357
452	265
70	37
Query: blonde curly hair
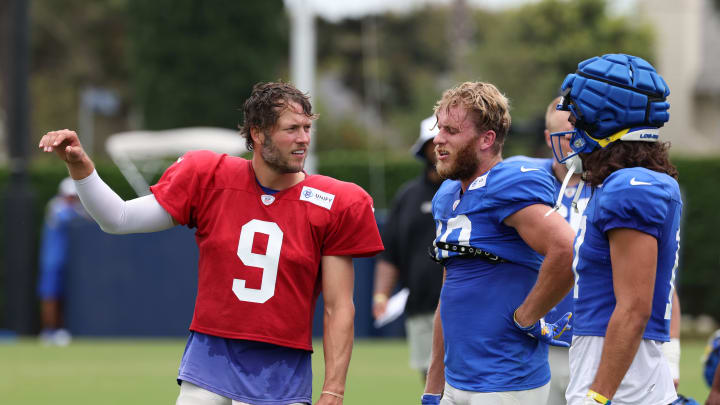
487	107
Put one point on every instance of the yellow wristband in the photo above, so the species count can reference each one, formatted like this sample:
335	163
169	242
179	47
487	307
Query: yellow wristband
600	399
380	298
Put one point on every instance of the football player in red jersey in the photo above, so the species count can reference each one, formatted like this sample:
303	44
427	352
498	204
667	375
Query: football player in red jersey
270	237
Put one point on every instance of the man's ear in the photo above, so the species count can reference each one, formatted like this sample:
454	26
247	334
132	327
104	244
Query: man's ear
487	139
547	138
257	135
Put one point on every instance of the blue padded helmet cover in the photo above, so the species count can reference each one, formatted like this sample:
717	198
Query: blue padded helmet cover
613	92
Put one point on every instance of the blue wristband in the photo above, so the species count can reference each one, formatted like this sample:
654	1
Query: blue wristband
430	399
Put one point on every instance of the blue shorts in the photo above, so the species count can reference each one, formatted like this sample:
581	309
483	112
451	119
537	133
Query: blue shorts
247	371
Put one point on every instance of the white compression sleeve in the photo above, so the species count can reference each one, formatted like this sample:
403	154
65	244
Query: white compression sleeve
114	215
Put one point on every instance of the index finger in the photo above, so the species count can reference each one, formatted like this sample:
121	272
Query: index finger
47	140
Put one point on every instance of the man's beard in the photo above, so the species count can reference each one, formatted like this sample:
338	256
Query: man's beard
463	166
271	155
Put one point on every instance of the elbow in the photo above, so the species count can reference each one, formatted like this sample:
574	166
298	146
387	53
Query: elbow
642	314
637	313
564	251
566	260
562	257
113	224
111	228
107	228
566	257
345	309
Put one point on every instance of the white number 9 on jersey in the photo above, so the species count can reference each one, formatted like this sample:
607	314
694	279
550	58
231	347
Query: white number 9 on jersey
268	261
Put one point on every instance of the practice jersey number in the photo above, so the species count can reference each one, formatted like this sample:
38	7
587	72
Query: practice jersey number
668	306
582	227
268	261
461	223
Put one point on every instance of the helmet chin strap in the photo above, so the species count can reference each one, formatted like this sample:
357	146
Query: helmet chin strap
574	165
578	192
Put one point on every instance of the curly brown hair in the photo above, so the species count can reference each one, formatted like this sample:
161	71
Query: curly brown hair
490	109
265	105
601	163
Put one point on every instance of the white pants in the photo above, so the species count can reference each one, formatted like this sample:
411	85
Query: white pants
648	380
560	370
191	394
419	335
454	396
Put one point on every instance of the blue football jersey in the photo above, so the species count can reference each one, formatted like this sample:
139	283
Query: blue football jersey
635	198
484	351
573	217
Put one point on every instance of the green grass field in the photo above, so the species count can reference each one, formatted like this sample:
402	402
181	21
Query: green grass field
143	371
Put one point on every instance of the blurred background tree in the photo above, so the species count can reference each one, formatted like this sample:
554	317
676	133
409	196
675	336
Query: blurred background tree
75	45
170	63
412	57
525	51
528	51
193	62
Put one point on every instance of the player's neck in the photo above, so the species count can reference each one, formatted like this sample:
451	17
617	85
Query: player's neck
486	163
271	178
560	171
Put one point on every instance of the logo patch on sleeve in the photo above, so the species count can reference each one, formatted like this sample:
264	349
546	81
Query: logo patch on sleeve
317	197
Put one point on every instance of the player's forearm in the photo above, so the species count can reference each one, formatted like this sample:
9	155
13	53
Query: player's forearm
337	344
82	169
716	382
713	398
114	215
386	275
435	382
622	339
555	280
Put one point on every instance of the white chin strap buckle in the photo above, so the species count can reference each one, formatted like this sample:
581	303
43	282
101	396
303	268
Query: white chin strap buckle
574	165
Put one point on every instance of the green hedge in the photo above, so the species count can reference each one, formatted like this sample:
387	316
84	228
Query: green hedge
700	242
699	275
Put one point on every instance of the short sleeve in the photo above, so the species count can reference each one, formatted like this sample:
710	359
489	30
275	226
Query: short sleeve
641	207
354	231
519	191
179	189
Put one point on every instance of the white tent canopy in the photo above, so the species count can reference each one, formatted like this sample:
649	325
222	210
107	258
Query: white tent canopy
141	155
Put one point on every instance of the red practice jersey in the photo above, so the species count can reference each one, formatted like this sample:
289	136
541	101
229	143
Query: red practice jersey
259	267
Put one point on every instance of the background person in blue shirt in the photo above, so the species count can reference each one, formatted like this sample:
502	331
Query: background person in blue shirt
61	211
494	225
626	250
